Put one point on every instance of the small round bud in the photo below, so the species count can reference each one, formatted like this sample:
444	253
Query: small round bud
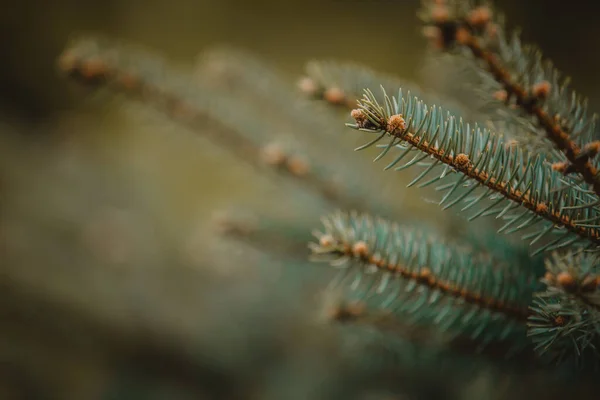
377	260
462	36
359	116
560	166
396	124
326	241
334	95
273	154
501	95
479	16
298	166
308	86
566	281
440	14
94	68
425	275
560	320
541	90
549	277
461	160
360	249
541	208
592	148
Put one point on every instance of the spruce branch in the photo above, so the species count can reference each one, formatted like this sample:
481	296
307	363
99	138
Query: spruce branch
344	83
523	76
145	76
416	276
522	189
565	320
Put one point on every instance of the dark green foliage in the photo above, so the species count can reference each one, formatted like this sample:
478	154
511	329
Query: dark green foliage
470	297
565	320
513	185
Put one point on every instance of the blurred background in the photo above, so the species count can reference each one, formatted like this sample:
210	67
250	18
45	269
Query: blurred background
71	162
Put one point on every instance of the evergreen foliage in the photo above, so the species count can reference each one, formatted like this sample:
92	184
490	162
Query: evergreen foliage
518	292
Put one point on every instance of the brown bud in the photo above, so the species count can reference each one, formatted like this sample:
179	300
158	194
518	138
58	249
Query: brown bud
501	95
360	249
440	14
592	148
462	36
273	154
308	86
426	276
549	277
566	281
461	160
334	95
560	166
541	208
480	16
396	124
326	241
298	166
94	68
541	90
359	116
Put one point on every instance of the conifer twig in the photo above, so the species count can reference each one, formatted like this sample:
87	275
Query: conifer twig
475	154
529	104
343	84
565	318
473	29
197	106
405	273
